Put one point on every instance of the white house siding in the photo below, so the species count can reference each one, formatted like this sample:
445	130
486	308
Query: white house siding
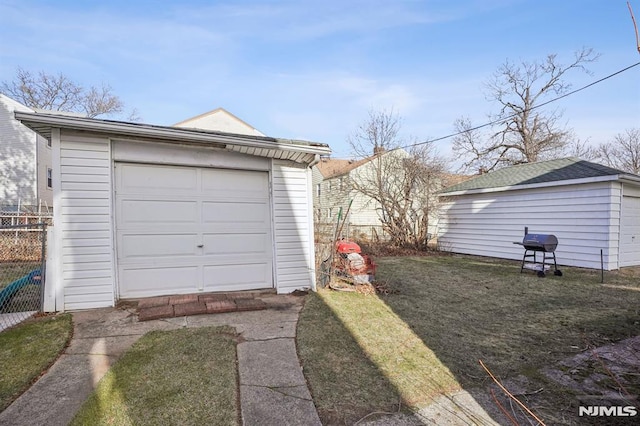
43	155
585	218
293	232
17	157
83	219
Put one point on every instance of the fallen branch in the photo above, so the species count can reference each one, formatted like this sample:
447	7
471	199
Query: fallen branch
504	410
510	395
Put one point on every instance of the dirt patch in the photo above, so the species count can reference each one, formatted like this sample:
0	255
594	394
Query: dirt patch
599	376
388	250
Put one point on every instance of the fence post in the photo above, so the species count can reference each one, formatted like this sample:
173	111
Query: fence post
49	304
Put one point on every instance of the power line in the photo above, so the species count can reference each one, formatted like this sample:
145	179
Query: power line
504	119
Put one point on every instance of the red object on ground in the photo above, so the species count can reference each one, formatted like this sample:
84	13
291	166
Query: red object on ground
352	263
344	246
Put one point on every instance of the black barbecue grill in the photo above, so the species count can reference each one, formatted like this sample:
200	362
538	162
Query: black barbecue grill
546	245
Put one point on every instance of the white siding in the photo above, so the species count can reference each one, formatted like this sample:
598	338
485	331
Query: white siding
44	193
293	234
585	218
630	226
17	157
85	222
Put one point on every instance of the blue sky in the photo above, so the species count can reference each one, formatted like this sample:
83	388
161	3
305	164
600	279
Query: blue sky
313	69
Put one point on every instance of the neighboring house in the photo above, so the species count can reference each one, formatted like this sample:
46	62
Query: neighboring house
587	206
221	120
143	210
333	191
25	163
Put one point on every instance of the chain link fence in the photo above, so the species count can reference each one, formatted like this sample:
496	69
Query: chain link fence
22	272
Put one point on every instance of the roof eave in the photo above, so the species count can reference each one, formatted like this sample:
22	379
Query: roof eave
38	121
535	185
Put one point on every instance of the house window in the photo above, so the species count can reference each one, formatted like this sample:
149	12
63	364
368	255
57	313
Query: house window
329	186
49	142
318	189
329	214
49	178
319	213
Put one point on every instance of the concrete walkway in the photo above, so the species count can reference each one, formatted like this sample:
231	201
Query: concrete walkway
273	390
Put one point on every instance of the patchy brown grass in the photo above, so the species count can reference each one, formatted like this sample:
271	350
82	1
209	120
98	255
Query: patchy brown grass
464	309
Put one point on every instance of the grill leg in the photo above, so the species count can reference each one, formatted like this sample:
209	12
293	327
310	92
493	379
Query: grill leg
557	272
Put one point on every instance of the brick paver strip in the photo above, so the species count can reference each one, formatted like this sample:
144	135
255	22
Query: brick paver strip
250	304
212	297
155	312
153	301
186	309
220	306
185	298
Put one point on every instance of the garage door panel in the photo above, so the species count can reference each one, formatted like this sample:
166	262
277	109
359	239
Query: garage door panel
158	212
206	229
235	213
630	231
144	282
236	277
244	183
135	247
138	178
236	244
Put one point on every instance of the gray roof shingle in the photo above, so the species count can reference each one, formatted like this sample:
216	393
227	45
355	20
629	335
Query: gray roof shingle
532	173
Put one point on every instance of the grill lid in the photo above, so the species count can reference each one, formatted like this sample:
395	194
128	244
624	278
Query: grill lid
540	242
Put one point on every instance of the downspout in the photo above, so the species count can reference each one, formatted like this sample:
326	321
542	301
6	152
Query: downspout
315	161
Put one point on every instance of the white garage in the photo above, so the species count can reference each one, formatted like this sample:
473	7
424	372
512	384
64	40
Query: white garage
143	210
592	209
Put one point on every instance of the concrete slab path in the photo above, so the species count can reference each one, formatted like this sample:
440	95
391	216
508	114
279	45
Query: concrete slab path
272	388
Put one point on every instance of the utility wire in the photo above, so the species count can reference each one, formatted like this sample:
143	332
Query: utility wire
504	119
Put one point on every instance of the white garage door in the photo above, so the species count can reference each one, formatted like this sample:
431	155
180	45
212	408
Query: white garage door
187	229
630	231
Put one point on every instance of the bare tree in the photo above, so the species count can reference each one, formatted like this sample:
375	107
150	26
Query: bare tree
60	93
378	133
582	149
522	132
623	152
402	184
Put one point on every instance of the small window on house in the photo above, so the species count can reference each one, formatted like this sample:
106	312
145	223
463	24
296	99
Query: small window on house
329	215
318	189
49	142
49	178
319	213
329	186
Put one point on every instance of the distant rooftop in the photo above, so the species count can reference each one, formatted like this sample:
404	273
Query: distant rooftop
541	172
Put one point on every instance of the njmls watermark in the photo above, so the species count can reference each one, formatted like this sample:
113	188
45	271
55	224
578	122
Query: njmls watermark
607	411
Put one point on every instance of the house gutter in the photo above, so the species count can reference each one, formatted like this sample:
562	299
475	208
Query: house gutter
630	179
541	185
36	120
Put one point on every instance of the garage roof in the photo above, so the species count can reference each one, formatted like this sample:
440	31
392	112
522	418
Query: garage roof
544	173
263	146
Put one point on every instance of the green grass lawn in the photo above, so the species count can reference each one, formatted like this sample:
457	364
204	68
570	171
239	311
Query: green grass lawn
27	350
179	377
443	315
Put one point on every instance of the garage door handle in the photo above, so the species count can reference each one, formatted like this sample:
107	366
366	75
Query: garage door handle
200	245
